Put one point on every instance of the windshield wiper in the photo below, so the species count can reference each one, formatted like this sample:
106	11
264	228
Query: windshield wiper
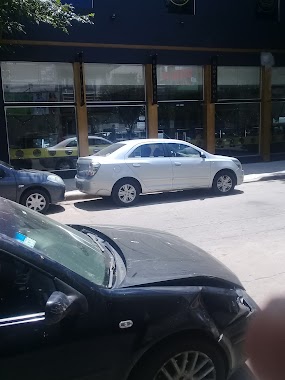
96	241
112	267
112	271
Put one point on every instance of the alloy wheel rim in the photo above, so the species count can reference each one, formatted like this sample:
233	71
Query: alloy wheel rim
36	202
190	365
224	183
127	193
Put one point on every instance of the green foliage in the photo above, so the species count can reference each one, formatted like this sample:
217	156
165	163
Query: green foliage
53	12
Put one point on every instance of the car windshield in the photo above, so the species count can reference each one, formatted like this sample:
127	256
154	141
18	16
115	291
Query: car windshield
109	150
64	245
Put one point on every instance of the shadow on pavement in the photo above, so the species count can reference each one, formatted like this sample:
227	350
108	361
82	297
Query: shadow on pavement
273	177
55	209
151	199
243	374
264	167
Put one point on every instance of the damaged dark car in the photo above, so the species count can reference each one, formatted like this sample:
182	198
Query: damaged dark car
113	303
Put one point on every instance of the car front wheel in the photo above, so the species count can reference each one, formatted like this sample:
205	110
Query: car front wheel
183	360
126	192
224	182
36	199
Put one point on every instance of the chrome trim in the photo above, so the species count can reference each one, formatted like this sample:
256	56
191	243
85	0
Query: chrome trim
22	319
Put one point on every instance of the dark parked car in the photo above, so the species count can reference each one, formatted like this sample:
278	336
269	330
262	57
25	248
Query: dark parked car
32	188
113	303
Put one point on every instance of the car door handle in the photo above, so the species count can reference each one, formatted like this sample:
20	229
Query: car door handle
177	163
69	152
136	165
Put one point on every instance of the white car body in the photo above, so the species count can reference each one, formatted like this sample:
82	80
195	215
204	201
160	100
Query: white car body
165	169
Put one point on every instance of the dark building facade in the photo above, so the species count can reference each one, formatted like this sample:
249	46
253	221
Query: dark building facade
152	68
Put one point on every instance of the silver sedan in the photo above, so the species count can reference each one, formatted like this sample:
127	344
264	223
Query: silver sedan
127	169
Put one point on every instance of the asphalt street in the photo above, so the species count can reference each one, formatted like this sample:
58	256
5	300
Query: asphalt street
245	230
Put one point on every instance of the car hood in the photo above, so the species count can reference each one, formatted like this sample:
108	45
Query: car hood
222	158
155	257
33	174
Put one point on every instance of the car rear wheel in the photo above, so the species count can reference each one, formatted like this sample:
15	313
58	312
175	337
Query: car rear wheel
183	360
36	200
224	182
126	192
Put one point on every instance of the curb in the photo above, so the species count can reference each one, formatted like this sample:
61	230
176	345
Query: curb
263	176
75	195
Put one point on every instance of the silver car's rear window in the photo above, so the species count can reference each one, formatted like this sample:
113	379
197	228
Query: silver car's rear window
109	150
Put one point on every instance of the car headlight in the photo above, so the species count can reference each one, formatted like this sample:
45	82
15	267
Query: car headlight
55	178
92	169
238	163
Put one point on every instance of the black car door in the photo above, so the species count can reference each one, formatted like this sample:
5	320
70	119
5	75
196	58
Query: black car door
30	348
8	184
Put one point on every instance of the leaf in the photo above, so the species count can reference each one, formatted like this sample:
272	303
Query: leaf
51	12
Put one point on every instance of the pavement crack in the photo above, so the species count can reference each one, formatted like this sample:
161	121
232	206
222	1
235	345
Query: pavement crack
264	278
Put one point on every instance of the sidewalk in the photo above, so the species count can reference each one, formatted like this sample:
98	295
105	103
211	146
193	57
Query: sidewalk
261	171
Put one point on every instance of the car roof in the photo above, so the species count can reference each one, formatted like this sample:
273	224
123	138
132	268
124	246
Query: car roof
131	143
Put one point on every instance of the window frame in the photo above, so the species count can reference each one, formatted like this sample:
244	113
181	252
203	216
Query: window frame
129	154
182	157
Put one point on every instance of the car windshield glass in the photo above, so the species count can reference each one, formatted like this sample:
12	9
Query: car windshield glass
68	247
6	165
109	150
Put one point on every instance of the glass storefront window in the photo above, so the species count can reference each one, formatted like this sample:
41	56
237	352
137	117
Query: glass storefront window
278	83
117	123
183	121
278	127
42	137
238	83
37	82
106	82
237	129
179	82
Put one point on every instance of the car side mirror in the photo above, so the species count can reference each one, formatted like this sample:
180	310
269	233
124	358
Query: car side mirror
202	155
59	305
2	173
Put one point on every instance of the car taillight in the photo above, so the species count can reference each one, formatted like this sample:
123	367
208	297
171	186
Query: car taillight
92	169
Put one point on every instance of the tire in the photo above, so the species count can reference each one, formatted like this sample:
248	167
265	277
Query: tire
180	359
64	165
126	192
36	200
224	182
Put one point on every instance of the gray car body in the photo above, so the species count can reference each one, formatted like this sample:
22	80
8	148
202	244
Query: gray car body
15	183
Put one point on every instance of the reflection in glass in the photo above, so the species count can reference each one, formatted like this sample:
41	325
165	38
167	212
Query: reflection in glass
238	82
106	82
117	123
38	137
183	121
37	82
278	83
278	127
180	82
237	129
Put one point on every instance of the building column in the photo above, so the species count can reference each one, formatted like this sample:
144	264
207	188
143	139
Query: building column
266	113
152	109
4	148
81	109
209	113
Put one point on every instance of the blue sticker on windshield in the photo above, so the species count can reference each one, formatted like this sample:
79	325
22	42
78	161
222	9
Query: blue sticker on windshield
25	240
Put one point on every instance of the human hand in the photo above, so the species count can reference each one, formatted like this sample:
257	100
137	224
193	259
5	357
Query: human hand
265	342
